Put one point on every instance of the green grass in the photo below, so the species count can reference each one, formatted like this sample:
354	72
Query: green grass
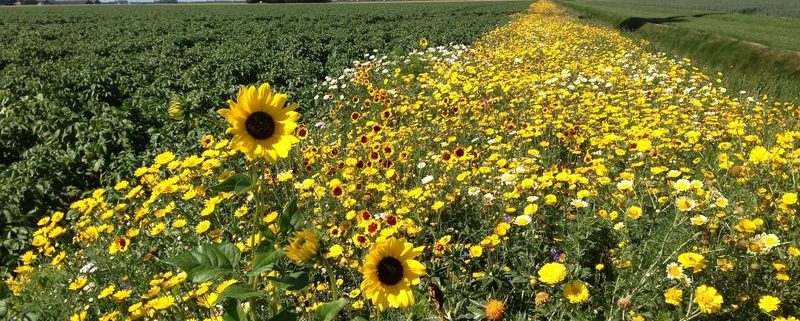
777	8
84	89
755	54
770	31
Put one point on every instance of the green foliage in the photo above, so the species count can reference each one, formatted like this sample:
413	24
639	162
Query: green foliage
328	311
238	184
264	260
85	92
208	262
292	282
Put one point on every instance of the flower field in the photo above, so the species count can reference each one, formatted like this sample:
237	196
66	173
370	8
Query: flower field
552	170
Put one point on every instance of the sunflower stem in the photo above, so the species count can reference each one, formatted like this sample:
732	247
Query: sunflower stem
332	278
257	175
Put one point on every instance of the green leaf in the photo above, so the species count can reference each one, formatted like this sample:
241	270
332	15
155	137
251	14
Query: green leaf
3	308
328	311
293	282
238	184
233	311
264	260
284	316
208	261
358	319
5	292
238	291
290	219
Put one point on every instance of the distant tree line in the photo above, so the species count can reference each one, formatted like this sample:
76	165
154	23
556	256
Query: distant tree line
287	1
30	2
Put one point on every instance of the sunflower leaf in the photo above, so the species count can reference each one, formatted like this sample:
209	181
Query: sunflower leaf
284	316
264	260
328	311
295	281
233	311
238	184
208	261
290	219
238	291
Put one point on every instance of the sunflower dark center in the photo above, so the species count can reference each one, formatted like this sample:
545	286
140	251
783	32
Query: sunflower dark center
390	271
260	125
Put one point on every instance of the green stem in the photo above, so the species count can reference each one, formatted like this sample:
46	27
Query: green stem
257	173
332	278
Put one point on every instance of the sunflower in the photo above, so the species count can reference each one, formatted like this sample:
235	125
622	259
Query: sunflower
389	271
302	246
261	126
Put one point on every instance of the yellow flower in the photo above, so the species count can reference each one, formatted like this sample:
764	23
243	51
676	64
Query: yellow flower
334	251
389	271
80	316
692	260
179	223
120	244
685	204
530	209
502	228
789	198
625	185
202	226
110	316
522	220
698	220
121	295
164	158
576	292
302	246
162	302
261	126
552	273
634	212
769	303
759	154
121	185
675	271
475	251
106	292
541	298
78	283
494	310
682	185
673	296
707	299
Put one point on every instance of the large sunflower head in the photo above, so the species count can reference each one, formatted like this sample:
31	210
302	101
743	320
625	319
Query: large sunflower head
261	126
389	271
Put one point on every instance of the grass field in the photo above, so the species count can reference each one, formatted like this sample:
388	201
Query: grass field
777	8
85	90
778	32
552	168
